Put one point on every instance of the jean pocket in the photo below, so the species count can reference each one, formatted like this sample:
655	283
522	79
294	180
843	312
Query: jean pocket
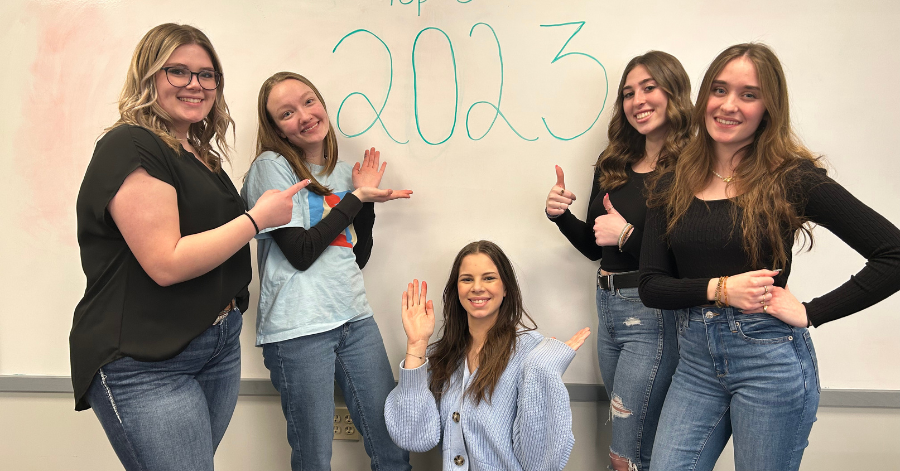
628	294
812	353
764	330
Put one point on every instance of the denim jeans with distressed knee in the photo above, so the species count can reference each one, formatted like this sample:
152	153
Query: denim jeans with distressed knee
638	352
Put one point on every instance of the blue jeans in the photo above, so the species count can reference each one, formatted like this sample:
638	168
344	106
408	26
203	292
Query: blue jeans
172	414
304	371
638	353
747	374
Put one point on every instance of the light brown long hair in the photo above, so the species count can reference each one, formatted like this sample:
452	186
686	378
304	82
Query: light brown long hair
447	354
626	145
138	103
762	176
268	139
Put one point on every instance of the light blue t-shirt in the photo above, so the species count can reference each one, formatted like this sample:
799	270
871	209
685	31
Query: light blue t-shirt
294	303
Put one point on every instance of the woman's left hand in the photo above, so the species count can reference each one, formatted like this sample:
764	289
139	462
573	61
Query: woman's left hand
784	307
367	173
608	227
578	339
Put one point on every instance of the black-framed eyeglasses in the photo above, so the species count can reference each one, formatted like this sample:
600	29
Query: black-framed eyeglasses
180	77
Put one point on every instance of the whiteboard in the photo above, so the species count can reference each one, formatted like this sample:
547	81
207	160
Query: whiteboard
472	104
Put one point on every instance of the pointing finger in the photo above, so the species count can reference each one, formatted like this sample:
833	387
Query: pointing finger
297	187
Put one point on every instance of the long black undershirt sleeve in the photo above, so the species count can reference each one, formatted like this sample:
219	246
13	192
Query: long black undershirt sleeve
302	247
363	223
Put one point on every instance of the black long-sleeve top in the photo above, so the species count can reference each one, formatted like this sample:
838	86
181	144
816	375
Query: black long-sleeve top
706	244
631	203
302	247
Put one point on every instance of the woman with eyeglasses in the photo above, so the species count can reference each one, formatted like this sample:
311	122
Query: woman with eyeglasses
164	239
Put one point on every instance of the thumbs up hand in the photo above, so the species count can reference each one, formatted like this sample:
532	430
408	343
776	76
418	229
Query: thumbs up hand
608	227
559	198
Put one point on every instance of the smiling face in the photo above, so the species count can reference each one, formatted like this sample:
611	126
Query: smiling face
480	288
299	115
735	107
189	104
644	103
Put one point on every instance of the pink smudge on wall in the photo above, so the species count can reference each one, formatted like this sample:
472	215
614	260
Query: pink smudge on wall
73	87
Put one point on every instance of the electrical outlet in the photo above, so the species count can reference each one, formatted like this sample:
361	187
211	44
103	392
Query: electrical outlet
344	429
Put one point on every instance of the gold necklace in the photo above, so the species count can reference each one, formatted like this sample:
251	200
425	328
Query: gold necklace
724	179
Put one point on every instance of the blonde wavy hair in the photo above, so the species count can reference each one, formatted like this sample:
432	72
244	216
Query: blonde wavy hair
269	139
138	103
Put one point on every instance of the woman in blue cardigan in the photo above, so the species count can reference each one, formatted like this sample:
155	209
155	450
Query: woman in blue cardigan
491	388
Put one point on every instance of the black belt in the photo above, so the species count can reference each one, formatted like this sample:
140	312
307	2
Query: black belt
615	281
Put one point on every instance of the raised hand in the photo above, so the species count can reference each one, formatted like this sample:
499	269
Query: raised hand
782	305
559	198
274	208
367	173
749	291
608	227
418	322
578	339
367	176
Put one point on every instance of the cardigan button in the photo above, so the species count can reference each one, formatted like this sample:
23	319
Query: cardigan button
456	417
459	460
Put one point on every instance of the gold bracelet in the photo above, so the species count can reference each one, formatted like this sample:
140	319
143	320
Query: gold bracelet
416	356
718	298
725	290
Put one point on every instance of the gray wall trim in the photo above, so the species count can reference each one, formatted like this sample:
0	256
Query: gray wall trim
578	392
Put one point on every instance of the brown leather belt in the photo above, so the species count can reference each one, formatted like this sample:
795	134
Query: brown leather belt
224	313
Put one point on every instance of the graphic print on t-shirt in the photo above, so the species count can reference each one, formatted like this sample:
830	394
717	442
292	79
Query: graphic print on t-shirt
320	206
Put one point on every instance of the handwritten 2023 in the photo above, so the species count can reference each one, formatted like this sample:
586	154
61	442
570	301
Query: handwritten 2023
495	106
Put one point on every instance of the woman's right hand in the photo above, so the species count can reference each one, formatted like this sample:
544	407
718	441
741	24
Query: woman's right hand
559	198
748	290
367	177
418	322
275	207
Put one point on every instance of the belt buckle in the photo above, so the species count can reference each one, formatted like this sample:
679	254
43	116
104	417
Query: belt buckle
609	281
222	315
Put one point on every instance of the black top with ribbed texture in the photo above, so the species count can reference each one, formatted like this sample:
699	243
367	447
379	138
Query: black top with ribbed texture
706	244
629	200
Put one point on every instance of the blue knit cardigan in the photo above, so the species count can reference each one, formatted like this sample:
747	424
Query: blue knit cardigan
526	425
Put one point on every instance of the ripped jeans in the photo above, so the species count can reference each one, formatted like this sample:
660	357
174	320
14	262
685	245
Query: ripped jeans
638	353
750	375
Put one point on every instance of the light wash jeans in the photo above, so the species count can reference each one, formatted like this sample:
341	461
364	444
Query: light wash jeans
750	375
638	353
304	371
171	415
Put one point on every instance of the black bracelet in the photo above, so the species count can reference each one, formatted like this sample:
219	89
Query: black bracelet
251	220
